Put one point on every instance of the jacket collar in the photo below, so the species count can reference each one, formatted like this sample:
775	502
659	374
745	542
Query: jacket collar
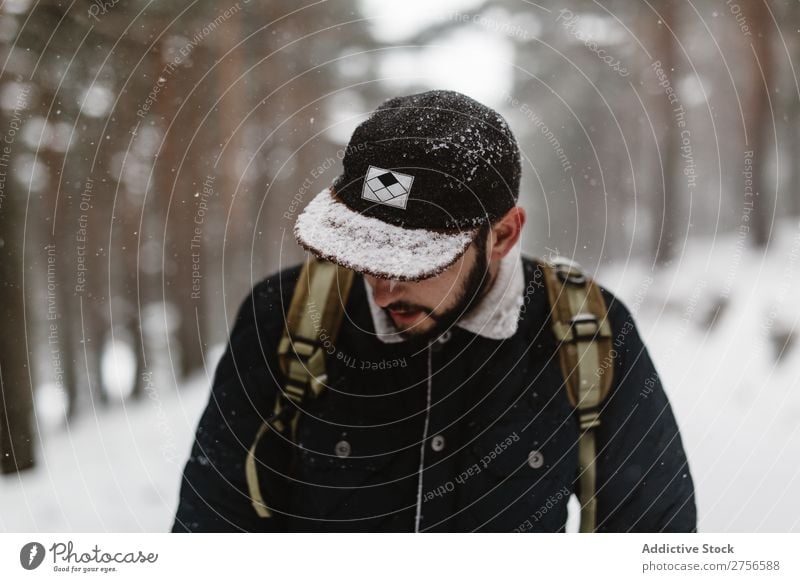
495	317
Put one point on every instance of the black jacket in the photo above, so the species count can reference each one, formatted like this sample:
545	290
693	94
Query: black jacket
500	453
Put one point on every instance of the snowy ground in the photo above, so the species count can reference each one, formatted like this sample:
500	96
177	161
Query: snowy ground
737	405
120	472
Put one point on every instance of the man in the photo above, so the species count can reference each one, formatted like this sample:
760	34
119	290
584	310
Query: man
444	406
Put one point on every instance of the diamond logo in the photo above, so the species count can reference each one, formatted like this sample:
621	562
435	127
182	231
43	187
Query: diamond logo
387	187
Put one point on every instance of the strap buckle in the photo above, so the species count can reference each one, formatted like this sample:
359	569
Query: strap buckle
303	364
567	270
580	327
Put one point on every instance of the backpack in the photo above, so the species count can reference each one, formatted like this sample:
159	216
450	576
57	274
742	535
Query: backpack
579	323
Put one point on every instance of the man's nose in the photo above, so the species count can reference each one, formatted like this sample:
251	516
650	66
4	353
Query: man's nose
384	291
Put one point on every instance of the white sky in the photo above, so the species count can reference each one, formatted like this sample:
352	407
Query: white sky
473	60
396	21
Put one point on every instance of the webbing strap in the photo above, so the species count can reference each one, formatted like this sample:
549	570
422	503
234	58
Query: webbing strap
588	481
580	323
312	320
312	323
252	476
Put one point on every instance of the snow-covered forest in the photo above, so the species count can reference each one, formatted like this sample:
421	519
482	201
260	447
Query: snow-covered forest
155	156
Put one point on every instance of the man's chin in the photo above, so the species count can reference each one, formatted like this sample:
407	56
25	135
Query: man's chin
426	330
423	326
417	326
418	329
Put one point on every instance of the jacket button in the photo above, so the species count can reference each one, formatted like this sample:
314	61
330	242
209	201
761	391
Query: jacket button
342	449
535	459
438	344
437	443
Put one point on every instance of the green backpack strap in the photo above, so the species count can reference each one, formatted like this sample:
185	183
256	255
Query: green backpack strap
580	324
312	322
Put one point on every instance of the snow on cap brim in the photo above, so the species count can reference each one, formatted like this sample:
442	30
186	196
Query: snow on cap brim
334	232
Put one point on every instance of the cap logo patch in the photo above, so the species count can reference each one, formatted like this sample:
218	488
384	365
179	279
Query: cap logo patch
387	187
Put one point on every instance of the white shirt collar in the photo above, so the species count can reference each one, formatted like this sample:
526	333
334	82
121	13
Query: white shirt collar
496	315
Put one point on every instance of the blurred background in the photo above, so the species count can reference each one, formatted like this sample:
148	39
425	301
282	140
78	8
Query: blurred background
154	156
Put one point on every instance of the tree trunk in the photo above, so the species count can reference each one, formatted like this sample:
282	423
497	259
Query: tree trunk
16	389
758	119
667	209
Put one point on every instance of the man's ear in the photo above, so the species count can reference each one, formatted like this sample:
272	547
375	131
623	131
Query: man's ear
506	232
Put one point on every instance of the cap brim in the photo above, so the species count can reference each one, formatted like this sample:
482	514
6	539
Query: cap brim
332	231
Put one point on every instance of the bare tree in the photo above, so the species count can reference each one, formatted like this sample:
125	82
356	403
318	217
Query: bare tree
759	118
16	389
667	210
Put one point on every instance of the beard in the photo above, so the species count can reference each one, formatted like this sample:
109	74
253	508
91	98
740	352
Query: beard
471	290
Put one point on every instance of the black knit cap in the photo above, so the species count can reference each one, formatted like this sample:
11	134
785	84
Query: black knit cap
462	155
421	175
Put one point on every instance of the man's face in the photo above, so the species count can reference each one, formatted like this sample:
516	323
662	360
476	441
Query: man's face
432	305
